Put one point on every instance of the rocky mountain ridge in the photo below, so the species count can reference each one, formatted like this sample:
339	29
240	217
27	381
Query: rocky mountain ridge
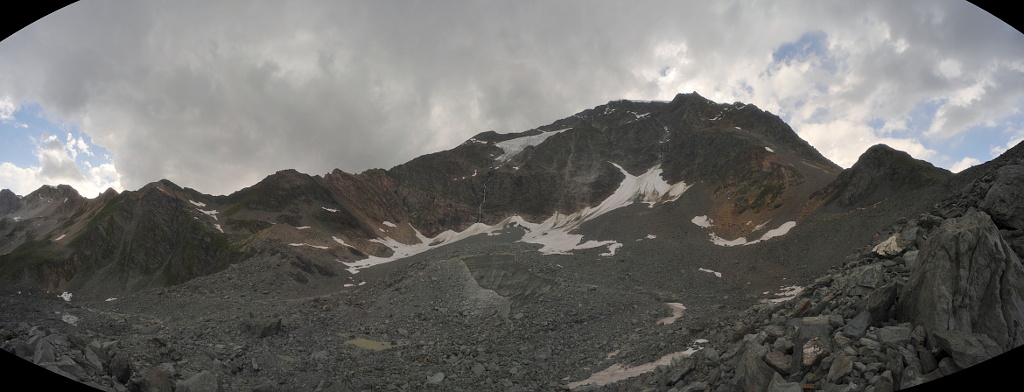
753	166
460	271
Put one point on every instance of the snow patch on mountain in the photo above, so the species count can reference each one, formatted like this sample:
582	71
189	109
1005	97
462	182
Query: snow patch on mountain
401	250
649	187
702	221
724	242
305	244
554	233
716	273
619	372
515	146
785	294
212	213
611	249
389	224
776	232
340	241
196	203
677	311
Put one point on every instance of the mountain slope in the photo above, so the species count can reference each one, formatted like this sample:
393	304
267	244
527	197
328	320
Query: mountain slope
605	244
752	173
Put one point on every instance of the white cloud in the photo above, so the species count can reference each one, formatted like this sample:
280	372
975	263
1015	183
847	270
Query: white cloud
7	109
74	146
844	141
963	164
949	68
57	165
20	180
1014	140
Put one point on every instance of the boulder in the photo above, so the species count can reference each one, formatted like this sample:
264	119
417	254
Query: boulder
157	379
1002	201
967	349
858	326
754	374
879	302
120	368
967	279
779	384
892	246
266	328
894	335
841	367
202	382
779	361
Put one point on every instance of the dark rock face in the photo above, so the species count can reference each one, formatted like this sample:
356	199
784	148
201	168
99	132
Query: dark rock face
8	201
754	162
881	172
967	349
1003	201
968	279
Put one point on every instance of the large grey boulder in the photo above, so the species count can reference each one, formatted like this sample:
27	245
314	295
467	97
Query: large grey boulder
754	374
967	279
1003	200
967	349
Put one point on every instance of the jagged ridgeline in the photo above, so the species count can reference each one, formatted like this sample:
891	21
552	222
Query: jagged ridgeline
750	167
682	245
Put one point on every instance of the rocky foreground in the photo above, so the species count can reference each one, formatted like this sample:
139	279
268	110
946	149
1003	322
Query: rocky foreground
944	292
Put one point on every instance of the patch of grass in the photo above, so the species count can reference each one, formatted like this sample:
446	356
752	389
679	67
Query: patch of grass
108	211
30	253
233	210
252	226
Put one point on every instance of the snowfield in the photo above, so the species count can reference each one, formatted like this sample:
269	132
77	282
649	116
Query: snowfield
704	222
716	273
677	311
555	234
515	146
305	244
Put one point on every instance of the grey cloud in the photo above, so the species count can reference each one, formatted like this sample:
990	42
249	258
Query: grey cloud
55	164
216	95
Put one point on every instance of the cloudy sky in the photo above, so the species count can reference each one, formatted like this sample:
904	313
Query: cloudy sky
215	95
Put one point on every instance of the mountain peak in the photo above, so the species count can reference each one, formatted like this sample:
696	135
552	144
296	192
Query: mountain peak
8	201
51	192
879	173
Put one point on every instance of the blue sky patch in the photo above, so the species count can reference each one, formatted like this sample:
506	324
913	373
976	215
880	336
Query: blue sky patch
811	44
